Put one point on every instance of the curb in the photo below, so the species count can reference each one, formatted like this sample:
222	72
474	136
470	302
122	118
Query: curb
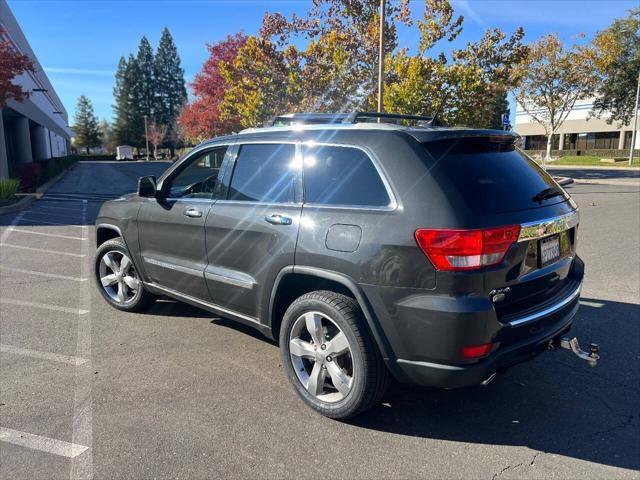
551	166
21	204
562	181
619	183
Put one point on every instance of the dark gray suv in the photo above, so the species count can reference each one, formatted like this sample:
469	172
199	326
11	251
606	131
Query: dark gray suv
440	256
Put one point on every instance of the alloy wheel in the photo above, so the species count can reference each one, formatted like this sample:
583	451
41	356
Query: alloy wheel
321	357
118	277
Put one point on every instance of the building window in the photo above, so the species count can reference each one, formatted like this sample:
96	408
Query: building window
539	142
627	139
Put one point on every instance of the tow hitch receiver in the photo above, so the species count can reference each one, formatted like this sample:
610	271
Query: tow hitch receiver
572	344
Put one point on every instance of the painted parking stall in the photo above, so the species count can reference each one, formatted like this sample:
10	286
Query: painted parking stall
50	228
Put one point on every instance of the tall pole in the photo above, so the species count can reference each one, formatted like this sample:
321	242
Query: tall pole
635	123
146	136
381	58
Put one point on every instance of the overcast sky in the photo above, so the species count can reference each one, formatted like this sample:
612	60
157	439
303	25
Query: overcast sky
79	42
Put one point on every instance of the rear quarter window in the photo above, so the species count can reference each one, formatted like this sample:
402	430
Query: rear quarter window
491	177
335	175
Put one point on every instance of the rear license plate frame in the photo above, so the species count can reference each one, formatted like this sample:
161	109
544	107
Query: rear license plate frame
545	245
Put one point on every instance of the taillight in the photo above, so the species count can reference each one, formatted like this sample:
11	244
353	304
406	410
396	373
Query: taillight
455	250
477	351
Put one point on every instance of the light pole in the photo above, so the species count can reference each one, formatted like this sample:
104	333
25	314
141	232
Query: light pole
146	136
635	123
381	58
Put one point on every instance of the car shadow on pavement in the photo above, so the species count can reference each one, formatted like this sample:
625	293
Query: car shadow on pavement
554	404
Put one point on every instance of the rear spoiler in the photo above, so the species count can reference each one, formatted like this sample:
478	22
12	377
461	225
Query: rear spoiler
494	136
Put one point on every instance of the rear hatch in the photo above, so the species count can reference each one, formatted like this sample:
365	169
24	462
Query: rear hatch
491	185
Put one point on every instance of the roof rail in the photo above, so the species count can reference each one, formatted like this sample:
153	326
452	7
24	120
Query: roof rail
308	118
305	119
357	117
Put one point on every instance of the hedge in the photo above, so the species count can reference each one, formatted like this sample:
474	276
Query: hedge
602	153
32	175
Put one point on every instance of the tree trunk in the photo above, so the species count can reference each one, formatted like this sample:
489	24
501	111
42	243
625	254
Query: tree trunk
549	143
87	150
155	152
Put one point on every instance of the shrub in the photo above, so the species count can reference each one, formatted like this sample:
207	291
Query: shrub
8	187
29	175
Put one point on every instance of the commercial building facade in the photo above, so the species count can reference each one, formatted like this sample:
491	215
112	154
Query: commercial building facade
37	128
578	132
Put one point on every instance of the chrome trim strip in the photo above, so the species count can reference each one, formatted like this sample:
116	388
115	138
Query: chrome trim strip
214	306
172	266
549	226
547	311
231	277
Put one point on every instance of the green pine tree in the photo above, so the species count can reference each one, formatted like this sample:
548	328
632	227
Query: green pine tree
145	78
121	92
135	102
171	93
85	128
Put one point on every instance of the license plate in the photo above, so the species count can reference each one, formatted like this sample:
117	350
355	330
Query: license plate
549	250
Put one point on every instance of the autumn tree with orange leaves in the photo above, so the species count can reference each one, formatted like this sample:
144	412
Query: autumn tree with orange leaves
12	64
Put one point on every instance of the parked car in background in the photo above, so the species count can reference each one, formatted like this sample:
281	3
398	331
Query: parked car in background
439	256
124	152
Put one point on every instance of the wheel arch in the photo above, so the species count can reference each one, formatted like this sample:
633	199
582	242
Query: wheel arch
319	279
105	232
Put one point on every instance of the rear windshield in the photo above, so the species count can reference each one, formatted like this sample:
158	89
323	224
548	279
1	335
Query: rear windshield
492	177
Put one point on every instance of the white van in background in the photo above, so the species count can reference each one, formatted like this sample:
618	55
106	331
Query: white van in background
124	152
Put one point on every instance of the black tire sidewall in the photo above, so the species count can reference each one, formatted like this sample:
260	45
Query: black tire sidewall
355	397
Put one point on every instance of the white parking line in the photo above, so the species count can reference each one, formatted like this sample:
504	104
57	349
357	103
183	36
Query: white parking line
587	303
44	306
44	250
49	214
7	231
44	444
44	222
82	467
44	234
54	357
48	208
43	274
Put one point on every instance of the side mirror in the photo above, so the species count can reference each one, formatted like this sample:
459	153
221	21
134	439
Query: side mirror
147	186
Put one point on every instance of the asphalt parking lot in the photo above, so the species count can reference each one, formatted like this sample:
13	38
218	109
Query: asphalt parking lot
89	391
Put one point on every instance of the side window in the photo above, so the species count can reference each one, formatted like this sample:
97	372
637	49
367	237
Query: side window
264	173
342	176
198	178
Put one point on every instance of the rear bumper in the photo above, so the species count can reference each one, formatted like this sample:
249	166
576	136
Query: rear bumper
455	376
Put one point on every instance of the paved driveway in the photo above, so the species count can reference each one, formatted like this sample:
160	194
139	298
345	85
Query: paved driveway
87	390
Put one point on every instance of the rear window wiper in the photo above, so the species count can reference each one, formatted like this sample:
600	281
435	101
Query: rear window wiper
547	193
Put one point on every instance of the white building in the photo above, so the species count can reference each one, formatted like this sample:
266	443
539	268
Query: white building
578	132
37	128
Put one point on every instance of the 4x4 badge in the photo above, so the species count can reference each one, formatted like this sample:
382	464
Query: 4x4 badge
499	294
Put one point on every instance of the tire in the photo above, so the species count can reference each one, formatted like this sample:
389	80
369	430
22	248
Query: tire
120	292
345	374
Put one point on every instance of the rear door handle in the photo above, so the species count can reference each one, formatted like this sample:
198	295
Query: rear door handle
278	219
193	212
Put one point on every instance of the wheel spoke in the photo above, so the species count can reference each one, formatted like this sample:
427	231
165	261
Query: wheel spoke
300	348
121	295
132	282
125	263
110	262
340	379
314	327
338	345
315	385
109	280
